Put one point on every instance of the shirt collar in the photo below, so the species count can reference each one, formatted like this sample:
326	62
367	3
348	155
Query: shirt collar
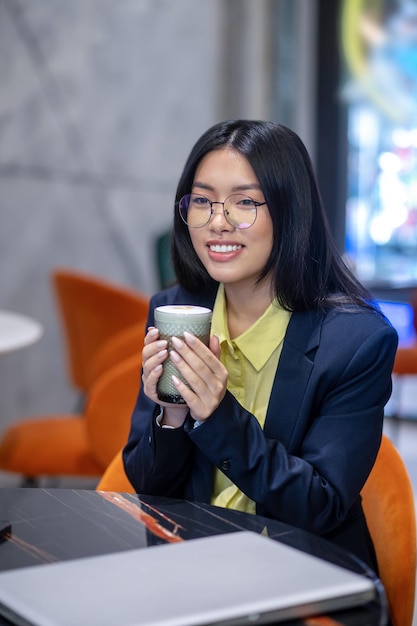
259	341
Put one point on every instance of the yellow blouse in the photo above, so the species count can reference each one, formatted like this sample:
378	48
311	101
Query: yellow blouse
251	360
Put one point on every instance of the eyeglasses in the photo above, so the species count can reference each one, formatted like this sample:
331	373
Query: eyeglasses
239	210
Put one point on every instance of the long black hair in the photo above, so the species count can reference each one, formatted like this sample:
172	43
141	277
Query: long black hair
308	271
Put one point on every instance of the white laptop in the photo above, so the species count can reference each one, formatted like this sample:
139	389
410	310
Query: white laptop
231	579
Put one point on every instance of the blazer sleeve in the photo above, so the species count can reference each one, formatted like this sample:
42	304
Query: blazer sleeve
158	461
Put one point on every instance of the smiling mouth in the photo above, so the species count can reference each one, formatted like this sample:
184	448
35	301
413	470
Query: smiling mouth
224	248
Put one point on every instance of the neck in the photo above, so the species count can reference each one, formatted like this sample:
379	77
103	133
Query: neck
246	306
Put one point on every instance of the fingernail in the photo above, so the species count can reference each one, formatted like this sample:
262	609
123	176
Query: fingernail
153	331
174	356
162	343
161	353
158	368
175	380
177	343
189	337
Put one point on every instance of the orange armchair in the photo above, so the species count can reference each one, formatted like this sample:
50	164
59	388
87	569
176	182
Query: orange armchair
388	503
76	444
92	311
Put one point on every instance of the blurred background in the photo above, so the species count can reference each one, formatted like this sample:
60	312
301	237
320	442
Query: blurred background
101	102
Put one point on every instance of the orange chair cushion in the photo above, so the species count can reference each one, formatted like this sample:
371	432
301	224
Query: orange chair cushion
61	444
114	478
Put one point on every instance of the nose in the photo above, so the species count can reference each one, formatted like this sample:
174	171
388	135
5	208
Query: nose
218	219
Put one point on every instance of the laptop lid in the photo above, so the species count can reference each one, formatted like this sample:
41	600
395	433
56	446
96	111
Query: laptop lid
230	579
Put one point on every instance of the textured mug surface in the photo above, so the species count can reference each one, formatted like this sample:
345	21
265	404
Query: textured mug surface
172	320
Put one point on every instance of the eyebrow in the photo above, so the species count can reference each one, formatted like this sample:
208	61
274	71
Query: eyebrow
245	187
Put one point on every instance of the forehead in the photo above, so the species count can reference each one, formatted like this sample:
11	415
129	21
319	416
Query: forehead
225	165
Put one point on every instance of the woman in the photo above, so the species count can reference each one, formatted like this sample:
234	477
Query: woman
285	410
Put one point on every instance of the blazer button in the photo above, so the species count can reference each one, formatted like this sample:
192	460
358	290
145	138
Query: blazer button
225	465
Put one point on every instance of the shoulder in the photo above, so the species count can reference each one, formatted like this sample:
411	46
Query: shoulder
340	329
358	329
344	342
357	320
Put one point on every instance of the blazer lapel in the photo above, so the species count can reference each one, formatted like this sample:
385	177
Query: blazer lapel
293	373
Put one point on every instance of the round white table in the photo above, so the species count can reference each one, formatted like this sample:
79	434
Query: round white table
17	331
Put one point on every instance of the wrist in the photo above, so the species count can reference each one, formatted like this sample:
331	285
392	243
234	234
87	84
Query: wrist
171	418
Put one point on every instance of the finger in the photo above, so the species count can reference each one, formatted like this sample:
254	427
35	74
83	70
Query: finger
152	345
199	357
151	335
189	346
208	386
153	348
150	381
214	346
209	354
150	376
151	361
153	355
201	406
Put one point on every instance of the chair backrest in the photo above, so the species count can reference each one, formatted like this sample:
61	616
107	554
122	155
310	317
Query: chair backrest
114	477
405	363
109	409
92	310
119	347
388	503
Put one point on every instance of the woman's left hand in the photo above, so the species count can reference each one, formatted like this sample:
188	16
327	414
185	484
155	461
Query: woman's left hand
201	368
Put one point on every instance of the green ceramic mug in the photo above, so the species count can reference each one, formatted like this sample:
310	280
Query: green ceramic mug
173	320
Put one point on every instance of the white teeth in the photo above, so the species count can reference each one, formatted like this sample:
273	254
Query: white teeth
224	248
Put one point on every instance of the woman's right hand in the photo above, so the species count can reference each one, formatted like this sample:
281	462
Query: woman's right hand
154	354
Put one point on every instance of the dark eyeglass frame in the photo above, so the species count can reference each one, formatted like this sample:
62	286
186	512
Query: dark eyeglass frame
225	211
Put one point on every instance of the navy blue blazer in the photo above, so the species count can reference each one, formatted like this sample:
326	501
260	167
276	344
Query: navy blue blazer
321	435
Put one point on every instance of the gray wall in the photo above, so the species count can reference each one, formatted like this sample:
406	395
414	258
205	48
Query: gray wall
100	104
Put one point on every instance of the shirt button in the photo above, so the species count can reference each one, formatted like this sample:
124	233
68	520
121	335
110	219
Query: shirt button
225	465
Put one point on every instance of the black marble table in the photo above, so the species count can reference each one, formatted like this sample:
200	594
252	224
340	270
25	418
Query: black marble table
49	525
